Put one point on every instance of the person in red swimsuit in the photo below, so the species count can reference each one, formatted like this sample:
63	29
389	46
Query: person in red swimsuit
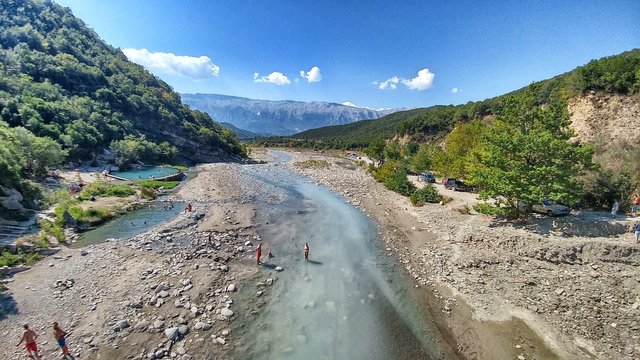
258	253
306	252
29	337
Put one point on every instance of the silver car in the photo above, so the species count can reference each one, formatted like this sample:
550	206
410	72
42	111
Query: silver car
546	207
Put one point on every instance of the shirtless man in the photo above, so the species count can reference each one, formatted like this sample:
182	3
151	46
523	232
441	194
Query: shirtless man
306	252
29	337
61	338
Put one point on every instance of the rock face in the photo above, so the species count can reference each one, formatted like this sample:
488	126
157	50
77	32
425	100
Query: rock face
277	117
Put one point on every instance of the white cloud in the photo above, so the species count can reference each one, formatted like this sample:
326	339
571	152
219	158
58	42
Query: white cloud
423	81
455	90
349	103
390	83
275	77
312	75
192	67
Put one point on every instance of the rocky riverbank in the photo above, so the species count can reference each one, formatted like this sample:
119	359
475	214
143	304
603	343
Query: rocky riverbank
530	290
167	293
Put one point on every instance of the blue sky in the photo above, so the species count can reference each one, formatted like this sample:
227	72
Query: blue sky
377	54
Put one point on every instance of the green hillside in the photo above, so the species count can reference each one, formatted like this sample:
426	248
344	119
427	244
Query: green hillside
62	87
615	74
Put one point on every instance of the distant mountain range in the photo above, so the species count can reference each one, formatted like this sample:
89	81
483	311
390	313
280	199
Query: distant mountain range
277	117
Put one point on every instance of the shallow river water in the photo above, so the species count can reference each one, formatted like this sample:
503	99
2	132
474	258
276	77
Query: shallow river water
350	301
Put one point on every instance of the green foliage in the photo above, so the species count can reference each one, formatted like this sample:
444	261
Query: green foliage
488	209
386	171
375	149
138	149
392	151
312	164
102	188
148	193
459	148
526	154
400	184
423	158
21	258
178	167
428	194
52	229
93	215
154	184
7	258
65	94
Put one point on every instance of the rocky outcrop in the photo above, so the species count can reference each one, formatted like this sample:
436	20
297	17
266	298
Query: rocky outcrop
606	118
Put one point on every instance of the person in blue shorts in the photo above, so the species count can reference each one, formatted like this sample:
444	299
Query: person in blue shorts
61	338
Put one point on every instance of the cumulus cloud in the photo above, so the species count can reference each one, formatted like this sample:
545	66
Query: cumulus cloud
192	67
390	83
275	77
423	81
312	75
349	103
455	90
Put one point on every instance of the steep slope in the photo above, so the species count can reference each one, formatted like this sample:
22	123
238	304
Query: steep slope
60	80
277	117
241	133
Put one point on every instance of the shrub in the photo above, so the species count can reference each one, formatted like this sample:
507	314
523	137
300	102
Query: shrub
101	188
488	209
156	184
428	194
400	184
8	259
148	192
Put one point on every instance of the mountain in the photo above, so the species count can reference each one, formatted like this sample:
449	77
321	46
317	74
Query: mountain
59	81
602	96
277	117
242	134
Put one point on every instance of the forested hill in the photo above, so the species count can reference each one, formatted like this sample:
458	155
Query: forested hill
618	74
60	81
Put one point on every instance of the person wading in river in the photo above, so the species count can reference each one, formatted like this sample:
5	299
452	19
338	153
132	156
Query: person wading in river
29	337
306	252
258	253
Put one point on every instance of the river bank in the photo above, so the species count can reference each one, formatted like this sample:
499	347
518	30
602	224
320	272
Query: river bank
547	288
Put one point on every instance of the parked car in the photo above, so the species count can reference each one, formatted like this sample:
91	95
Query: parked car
457	185
427	177
547	207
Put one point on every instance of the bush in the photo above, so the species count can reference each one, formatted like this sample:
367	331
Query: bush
156	184
428	194
101	188
8	259
148	193
488	209
400	184
53	229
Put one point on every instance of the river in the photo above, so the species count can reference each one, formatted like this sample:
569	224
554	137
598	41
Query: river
350	301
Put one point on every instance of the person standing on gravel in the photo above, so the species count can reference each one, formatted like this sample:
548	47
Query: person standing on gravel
615	208
636	231
61	338
29	337
634	205
258	253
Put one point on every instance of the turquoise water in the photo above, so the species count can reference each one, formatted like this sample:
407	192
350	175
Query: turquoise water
350	301
146	173
130	224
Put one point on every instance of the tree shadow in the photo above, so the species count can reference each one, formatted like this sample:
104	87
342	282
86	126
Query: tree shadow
8	305
582	224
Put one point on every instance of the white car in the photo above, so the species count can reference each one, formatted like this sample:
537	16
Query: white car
546	207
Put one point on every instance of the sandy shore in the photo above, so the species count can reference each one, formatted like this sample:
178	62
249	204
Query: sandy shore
497	291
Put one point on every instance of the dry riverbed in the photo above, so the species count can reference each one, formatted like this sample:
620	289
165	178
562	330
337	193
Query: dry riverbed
543	289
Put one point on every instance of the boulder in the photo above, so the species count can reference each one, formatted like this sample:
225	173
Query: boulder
231	288
183	330
226	312
121	325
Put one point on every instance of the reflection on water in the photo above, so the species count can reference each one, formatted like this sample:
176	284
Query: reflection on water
346	302
130	224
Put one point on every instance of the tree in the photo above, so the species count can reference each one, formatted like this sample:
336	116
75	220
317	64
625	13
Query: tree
375	150
459	145
527	154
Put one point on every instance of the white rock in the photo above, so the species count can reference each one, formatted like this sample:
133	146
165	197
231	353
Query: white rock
226	312
183	330
225	332
220	340
158	324
171	333
279	268
231	288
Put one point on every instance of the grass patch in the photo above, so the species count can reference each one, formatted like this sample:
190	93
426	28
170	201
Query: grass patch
154	184
101	188
92	215
179	167
488	209
21	258
312	164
